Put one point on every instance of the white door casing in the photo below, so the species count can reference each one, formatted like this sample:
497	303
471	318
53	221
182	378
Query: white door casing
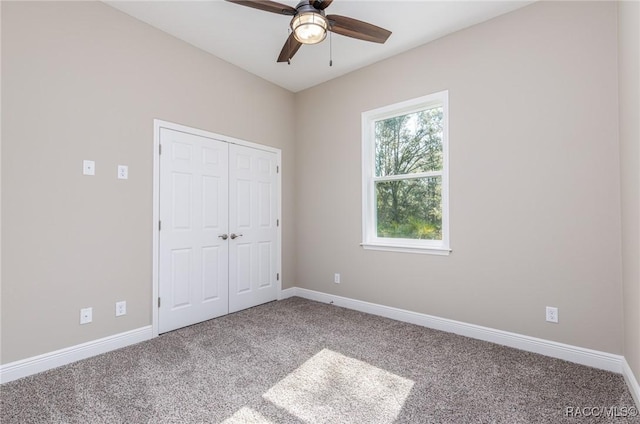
219	185
253	216
193	214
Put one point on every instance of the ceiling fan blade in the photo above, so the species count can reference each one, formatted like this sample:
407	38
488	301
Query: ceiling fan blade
267	6
289	49
320	4
357	29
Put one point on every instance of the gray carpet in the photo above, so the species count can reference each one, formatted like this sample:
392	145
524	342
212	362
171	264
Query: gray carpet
297	361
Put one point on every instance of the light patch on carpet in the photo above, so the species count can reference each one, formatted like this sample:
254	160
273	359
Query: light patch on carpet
247	416
330	386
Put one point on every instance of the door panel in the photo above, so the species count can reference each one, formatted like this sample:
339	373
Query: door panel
180	277
252	213
194	182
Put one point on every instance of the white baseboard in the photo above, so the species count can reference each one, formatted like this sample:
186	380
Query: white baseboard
25	367
287	293
632	382
579	355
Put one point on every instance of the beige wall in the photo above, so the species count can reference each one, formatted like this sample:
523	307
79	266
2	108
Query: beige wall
629	93
0	187
81	80
535	216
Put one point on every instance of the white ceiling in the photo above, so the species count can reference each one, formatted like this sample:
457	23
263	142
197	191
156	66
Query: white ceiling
252	39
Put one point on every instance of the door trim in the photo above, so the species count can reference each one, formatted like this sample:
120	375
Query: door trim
157	125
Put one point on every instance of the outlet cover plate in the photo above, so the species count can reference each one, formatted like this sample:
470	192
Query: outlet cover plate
88	167
86	315
121	308
123	172
552	314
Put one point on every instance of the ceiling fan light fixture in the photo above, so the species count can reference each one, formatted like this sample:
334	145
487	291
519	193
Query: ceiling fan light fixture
309	27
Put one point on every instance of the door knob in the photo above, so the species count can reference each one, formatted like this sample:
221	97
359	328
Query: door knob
235	236
223	236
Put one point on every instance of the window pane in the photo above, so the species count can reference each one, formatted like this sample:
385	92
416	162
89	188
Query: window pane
410	208
410	143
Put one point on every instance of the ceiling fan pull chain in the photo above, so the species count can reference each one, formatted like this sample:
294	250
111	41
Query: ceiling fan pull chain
330	48
289	42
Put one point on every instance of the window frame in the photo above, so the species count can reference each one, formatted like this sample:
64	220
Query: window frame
370	239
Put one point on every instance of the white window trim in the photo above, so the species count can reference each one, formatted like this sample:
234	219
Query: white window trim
370	240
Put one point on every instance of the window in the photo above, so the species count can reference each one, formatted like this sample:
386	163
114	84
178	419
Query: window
405	176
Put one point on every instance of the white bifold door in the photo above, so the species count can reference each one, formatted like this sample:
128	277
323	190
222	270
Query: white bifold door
218	249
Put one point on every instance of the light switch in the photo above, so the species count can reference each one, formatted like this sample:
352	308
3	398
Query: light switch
123	172
88	167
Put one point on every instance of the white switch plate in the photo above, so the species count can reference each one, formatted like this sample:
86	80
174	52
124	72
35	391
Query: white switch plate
121	308
336	278
86	315
123	172
88	167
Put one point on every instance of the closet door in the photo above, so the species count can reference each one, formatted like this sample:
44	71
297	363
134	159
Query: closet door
253	214
193	253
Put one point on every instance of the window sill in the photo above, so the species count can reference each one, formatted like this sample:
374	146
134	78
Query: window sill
441	251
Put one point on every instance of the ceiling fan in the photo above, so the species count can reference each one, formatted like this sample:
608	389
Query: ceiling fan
309	24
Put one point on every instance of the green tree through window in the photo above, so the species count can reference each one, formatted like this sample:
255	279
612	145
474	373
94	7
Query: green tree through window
408	175
405	176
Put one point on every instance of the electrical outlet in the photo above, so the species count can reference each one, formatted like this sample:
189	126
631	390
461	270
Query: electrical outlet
123	172
86	315
336	278
552	314
121	308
